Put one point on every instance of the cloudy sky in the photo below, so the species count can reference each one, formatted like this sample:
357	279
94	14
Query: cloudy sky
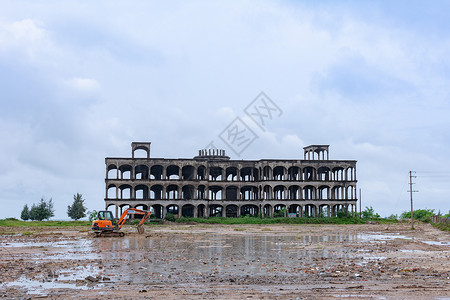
81	80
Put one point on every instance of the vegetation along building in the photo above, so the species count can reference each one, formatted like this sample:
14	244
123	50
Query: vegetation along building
212	184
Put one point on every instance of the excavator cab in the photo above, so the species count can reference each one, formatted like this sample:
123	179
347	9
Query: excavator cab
105	222
105	215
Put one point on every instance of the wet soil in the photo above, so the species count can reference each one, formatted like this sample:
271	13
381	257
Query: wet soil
370	261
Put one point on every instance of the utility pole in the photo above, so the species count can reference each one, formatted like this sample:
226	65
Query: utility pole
411	191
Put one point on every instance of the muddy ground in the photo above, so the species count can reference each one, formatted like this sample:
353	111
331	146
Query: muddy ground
370	261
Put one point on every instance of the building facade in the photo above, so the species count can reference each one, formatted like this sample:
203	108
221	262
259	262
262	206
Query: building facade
212	184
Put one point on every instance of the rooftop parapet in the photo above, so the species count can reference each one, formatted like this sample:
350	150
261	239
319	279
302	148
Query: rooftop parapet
212	154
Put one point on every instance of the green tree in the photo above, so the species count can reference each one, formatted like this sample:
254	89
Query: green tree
92	215
44	210
368	213
25	214
77	210
418	214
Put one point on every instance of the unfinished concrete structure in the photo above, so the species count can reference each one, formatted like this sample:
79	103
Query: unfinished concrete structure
211	184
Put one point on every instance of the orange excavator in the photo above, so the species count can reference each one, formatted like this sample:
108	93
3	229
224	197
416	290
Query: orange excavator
105	225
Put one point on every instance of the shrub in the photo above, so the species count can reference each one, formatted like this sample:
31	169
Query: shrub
419	214
170	217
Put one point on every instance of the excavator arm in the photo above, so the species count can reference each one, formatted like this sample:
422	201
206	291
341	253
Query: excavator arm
134	211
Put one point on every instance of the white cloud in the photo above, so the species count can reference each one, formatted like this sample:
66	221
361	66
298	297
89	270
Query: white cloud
84	84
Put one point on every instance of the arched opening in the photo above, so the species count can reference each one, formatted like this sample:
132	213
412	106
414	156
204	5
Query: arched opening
324	211
350	193
267	192
309	192
112	192
294	210
157	211
249	193
125	191
125	172
278	192
201	192
294	173
323	174
201	211
215	210
172	192
294	192
188	210
156	172
172	209
173	172
141	152
187	192
141	192
156	192
231	193
310	211
249	210
338	174
324	192
201	173
113	209
279	173
215	173
267	209
267	173
112	172
141	172
279	211
123	208
231	173
141	207
188	173
338	192
215	192
231	211
350	174
308	174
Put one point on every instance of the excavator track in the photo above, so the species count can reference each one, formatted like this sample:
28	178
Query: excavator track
109	234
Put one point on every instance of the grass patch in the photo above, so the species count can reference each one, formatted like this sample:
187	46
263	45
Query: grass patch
18	223
27	233
442	226
239	229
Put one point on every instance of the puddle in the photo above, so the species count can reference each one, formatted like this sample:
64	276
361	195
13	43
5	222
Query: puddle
375	237
57	250
436	243
63	279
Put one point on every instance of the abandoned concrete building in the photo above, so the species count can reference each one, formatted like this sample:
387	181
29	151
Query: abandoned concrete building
212	184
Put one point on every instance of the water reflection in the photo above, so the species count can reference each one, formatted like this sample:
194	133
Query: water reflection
248	254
